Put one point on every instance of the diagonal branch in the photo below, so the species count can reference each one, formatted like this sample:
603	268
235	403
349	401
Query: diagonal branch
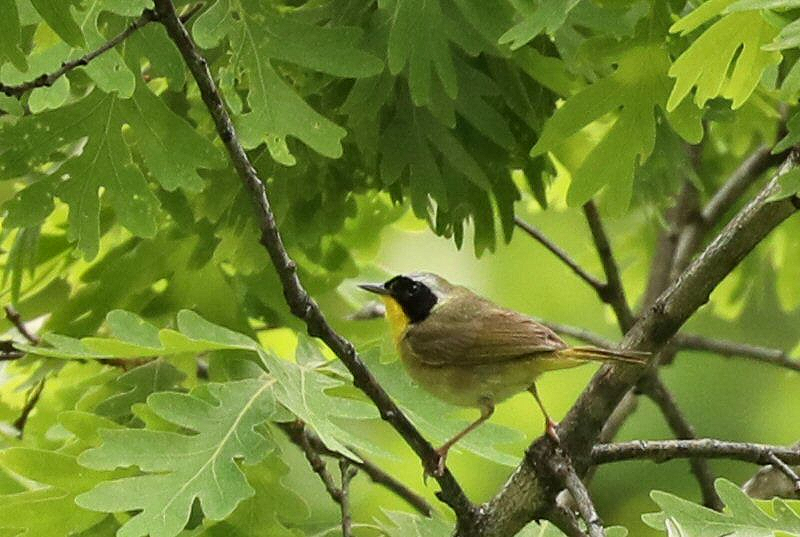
559	252
707	448
651	382
736	185
613	292
298	299
527	493
15	318
296	430
732	348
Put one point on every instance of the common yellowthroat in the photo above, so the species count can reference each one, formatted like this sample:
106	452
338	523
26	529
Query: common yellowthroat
469	351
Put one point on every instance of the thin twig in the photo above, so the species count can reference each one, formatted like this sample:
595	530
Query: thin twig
315	461
347	472
565	471
707	448
297	298
372	470
732	348
654	388
16	319
30	403
787	470
593	282
614	293
48	79
769	482
733	188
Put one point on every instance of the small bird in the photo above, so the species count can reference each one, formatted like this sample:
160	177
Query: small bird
468	351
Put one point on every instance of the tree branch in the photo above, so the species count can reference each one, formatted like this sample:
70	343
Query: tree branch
298	299
736	185
542	239
372	470
787	470
563	469
654	388
613	292
30	403
15	318
527	494
707	448
297	434
732	348
48	79
347	473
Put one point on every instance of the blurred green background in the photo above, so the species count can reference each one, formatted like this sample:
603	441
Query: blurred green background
727	398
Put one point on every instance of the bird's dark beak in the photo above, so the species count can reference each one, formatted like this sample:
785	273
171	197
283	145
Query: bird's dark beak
378	289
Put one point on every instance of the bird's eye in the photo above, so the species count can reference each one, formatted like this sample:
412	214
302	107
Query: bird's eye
413	288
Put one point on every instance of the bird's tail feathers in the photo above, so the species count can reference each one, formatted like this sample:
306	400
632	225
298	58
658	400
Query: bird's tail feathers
605	355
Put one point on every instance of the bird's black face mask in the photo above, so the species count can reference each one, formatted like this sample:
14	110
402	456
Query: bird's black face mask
416	298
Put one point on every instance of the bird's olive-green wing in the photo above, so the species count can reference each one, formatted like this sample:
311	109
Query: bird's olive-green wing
479	332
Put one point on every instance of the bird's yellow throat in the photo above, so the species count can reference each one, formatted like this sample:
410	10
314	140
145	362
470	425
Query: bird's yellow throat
398	320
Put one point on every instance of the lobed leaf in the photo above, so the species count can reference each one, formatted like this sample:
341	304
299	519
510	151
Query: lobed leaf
715	65
179	468
742	516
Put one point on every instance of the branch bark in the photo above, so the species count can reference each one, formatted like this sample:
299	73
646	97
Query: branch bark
707	448
736	185
298	299
526	494
731	348
613	292
372	470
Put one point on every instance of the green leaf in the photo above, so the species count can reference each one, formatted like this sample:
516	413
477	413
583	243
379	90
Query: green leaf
260	35
741	517
628	97
264	514
135	338
302	388
180	468
789	37
548	16
57	15
11	35
49	510
171	148
708	64
137	384
401	524
417	40
748	5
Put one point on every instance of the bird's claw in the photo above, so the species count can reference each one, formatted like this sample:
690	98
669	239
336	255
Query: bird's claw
435	468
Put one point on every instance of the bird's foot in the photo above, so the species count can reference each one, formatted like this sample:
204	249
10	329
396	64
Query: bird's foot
550	430
435	467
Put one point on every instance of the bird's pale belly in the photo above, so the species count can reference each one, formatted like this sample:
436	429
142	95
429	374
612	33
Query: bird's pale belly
466	386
